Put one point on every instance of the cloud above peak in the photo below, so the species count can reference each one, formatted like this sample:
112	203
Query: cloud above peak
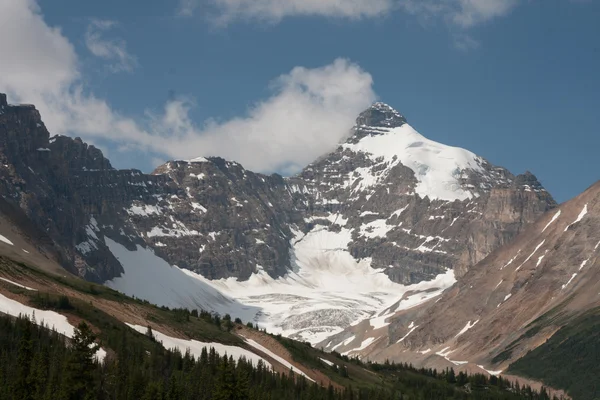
308	110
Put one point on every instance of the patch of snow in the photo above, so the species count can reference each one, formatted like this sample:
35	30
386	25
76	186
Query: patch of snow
144	210
567	284
51	319
399	212
540	258
445	352
5	240
554	218
25	251
197	206
327	362
499	283
531	255
279	359
582	214
178	230
195	347
18	284
412	328
495	373
511	260
197	160
365	343
345	342
87	246
375	229
367	213
151	278
424	351
466	328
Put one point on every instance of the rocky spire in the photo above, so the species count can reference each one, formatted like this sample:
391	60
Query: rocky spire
380	115
3	102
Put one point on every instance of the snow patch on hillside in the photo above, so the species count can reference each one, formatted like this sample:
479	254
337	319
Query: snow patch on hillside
277	358
18	284
582	214
151	278
195	347
50	319
554	218
468	326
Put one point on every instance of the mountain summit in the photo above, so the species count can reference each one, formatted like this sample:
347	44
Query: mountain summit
381	115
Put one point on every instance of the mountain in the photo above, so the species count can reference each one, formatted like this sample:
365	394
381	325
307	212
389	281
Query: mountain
416	207
388	215
541	291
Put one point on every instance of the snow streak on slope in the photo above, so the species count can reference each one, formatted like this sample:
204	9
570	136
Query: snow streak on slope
50	319
437	167
281	360
5	240
195	347
328	291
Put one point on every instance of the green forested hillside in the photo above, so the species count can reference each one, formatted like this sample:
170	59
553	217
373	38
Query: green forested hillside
569	360
36	363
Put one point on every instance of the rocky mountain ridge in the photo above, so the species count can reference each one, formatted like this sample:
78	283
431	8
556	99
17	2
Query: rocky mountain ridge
513	301
388	204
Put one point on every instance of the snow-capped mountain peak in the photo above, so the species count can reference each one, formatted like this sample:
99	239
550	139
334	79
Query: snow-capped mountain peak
438	168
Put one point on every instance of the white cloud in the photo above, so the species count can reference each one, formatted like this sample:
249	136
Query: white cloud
35	57
465	42
113	50
276	10
186	8
473	12
308	112
458	13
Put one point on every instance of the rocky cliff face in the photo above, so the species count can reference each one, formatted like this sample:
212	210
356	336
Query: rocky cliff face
392	198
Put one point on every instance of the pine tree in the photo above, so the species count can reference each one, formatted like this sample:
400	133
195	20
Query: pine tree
25	357
79	380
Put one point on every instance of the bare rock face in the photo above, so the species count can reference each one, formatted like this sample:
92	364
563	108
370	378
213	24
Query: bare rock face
411	206
38	178
221	219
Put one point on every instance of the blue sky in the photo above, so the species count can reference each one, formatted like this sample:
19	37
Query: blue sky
514	81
